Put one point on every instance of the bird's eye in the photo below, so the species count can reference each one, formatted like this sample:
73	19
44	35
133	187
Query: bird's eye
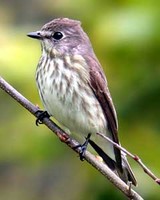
57	35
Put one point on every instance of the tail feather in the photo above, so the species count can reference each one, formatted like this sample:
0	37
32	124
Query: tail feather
125	172
109	161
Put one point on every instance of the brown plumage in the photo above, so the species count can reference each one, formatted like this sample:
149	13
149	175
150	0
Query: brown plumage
74	90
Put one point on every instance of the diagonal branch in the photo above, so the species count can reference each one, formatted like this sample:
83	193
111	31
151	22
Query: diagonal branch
64	137
134	157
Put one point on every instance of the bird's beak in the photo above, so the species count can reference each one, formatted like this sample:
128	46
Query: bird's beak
35	35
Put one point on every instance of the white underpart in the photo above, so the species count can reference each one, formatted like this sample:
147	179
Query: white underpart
65	108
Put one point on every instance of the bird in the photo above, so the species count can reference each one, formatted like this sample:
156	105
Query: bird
74	90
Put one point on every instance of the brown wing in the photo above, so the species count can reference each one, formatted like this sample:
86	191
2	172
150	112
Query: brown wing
98	84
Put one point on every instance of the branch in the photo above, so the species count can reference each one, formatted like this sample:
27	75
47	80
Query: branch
64	137
134	157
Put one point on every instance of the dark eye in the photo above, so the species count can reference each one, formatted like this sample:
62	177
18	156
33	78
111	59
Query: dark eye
57	35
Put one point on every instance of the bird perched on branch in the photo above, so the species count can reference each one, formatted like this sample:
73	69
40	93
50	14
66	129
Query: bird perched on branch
74	90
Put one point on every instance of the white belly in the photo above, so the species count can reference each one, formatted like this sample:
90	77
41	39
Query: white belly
67	97
70	100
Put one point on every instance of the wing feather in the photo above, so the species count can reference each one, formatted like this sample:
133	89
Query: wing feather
98	83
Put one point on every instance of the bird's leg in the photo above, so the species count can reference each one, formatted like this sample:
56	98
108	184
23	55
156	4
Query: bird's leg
83	147
41	115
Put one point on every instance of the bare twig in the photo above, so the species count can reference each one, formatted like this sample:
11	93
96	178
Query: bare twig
64	137
134	157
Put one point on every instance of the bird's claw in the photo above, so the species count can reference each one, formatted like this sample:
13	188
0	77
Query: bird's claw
83	147
40	116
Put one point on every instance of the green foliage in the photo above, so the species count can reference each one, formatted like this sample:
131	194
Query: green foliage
125	37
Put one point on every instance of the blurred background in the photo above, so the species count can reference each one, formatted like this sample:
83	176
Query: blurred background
125	35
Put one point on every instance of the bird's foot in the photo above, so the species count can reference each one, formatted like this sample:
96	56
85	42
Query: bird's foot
41	115
83	147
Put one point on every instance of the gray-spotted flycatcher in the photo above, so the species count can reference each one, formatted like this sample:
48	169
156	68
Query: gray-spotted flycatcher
73	89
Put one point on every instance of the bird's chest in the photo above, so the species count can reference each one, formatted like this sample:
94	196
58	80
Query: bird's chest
67	96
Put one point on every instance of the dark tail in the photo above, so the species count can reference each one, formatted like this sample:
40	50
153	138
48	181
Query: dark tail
125	172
